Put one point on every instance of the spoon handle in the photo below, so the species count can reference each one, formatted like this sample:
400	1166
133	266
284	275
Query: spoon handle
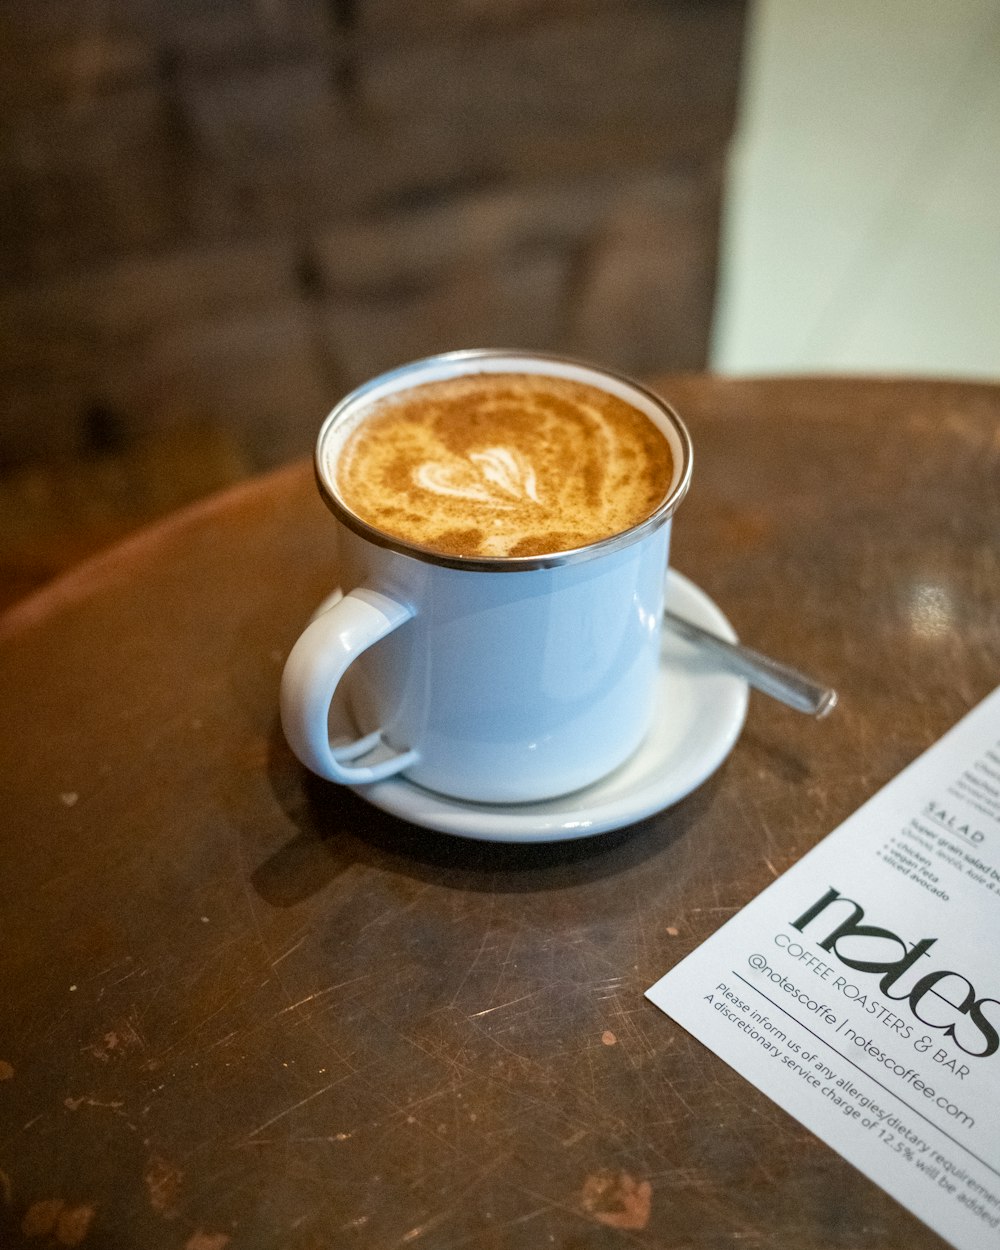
781	682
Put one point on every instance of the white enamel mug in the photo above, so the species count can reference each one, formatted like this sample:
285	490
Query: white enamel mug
497	680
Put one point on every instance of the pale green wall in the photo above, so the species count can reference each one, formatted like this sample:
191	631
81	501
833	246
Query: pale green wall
863	217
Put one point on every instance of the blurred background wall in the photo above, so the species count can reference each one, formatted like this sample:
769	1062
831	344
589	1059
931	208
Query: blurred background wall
219	215
235	209
863	202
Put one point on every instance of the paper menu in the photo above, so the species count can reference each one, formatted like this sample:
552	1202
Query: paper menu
861	990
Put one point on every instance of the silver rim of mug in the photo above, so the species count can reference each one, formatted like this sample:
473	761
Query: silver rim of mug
462	362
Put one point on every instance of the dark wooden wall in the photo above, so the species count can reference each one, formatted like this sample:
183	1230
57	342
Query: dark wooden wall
218	215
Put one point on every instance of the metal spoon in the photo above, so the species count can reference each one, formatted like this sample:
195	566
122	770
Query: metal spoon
781	682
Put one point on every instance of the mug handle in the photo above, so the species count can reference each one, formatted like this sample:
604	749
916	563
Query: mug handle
315	665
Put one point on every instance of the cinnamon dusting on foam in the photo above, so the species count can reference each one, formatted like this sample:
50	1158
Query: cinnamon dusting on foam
504	464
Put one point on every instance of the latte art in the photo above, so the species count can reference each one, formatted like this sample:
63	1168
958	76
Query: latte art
503	464
499	475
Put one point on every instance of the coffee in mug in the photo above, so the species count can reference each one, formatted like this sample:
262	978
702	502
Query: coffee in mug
503	464
503	521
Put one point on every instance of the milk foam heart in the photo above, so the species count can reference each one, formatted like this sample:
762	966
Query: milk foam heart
498	475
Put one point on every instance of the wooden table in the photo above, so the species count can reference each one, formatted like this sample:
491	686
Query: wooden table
242	1007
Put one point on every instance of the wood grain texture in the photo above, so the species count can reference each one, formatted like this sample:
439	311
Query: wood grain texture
243	1008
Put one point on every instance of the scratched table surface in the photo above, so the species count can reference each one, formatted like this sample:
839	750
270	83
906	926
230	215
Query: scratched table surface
242	1008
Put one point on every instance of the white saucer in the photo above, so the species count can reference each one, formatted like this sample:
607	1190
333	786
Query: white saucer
700	712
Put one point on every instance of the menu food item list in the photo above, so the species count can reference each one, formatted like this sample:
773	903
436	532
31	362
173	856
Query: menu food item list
861	990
